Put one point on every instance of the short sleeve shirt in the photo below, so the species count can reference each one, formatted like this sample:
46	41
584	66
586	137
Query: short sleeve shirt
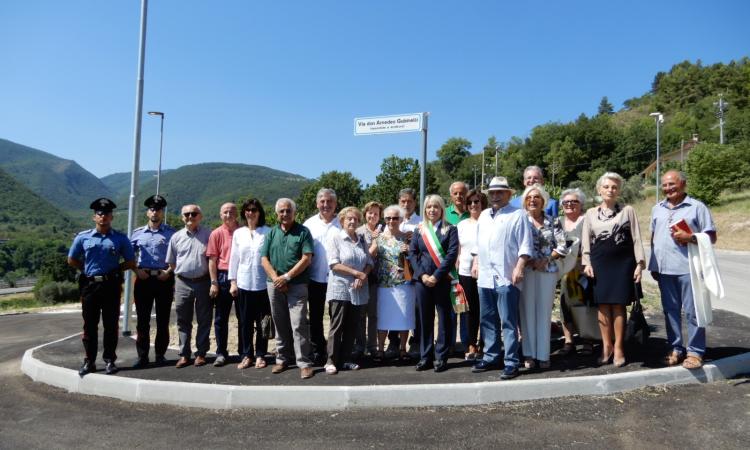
321	232
101	253
284	249
667	257
343	250
151	246
187	252
220	246
453	217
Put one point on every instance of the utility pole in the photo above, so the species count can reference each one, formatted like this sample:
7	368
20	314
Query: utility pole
721	108
475	176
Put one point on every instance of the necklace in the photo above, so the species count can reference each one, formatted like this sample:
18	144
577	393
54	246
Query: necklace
607	214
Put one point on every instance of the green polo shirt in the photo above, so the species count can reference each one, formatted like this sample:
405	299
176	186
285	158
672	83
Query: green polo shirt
453	217
285	249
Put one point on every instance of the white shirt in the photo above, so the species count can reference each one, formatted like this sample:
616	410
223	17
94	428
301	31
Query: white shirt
501	240
410	224
244	259
320	232
467	237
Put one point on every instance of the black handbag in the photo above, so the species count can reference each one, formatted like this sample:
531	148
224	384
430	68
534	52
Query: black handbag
637	330
267	327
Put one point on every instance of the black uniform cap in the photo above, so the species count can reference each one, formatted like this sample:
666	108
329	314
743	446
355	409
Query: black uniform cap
156	202
103	204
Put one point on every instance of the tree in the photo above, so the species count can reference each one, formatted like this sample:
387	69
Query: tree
348	192
395	174
452	153
605	107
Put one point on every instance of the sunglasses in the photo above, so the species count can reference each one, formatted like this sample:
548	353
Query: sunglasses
570	202
102	213
475	202
389	219
191	214
252	210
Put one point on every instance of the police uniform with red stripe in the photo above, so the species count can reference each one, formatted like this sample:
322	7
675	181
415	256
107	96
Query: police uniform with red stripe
98	253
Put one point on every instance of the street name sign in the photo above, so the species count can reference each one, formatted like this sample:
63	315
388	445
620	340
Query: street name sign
388	124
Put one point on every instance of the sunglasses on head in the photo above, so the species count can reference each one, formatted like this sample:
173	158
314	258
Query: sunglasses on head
191	214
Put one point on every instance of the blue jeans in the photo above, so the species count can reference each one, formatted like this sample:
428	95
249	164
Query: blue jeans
499	310
677	296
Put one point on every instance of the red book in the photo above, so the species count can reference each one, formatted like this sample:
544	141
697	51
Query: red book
682	225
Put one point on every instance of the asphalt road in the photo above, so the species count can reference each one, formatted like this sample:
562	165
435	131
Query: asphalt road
734	268
34	415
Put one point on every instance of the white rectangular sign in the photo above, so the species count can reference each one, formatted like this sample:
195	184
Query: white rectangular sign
388	124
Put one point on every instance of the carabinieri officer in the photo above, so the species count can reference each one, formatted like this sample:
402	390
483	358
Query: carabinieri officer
97	253
155	281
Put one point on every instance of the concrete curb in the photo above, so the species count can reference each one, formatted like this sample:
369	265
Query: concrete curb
216	396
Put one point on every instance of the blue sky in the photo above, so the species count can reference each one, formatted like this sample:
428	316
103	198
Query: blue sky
280	83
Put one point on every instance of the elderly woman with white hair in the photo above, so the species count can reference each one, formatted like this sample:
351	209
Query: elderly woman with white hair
574	291
540	278
613	258
395	291
432	253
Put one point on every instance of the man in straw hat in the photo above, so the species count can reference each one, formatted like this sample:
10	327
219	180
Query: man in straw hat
504	244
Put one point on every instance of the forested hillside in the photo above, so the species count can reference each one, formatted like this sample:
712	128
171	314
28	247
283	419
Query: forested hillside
61	182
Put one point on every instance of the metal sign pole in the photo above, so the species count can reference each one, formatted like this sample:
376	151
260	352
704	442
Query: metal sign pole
423	163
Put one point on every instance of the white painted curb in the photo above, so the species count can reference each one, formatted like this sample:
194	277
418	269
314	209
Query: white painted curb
218	396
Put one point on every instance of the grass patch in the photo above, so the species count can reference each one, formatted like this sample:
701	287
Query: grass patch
17	301
24	302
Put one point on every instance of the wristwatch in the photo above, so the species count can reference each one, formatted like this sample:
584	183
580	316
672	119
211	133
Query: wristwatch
286	277
214	283
693	239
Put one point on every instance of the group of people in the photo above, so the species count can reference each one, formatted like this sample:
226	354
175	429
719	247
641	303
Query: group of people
489	258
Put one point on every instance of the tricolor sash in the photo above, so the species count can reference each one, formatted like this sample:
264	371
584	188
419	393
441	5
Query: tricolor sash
431	241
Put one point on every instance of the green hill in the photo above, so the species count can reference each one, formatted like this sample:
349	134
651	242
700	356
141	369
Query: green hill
211	184
60	181
119	183
24	214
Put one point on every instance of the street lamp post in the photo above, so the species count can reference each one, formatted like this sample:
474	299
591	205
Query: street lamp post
161	146
659	118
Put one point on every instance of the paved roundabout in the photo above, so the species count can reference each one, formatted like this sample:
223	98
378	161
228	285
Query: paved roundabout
388	385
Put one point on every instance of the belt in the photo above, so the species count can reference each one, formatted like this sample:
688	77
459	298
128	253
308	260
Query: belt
113	276
152	272
193	280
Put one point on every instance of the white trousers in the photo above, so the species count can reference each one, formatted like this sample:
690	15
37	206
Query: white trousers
537	295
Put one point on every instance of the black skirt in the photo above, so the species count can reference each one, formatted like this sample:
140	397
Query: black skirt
613	261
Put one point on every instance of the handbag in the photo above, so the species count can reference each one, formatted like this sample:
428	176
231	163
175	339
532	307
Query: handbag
267	327
586	320
637	330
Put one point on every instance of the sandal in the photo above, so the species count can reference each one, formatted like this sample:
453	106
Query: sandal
260	363
331	369
567	349
693	362
471	355
244	364
673	358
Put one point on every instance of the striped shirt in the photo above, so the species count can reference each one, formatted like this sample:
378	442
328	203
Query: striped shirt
341	249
